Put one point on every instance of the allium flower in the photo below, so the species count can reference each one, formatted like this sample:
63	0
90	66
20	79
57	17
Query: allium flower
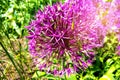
117	18
62	36
109	14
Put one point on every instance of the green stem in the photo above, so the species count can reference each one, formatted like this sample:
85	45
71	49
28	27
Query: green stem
65	77
50	2
63	68
11	58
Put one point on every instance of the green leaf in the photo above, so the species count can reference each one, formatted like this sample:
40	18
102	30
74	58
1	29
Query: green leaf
107	77
109	62
38	74
72	77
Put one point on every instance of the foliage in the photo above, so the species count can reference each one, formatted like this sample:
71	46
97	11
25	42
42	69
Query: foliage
14	58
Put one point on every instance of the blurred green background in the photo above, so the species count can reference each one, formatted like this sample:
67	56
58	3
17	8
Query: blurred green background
15	60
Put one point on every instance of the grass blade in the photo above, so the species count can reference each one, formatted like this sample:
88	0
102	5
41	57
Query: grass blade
12	60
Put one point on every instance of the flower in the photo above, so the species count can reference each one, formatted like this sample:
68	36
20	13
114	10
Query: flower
62	37
117	18
108	13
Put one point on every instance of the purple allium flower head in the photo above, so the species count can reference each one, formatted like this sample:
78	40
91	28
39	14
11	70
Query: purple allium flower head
117	18
109	14
62	36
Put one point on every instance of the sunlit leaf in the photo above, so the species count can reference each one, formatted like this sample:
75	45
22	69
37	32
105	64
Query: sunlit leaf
38	74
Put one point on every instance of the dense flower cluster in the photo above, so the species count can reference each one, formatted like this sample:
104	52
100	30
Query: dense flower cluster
116	17
62	36
109	14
